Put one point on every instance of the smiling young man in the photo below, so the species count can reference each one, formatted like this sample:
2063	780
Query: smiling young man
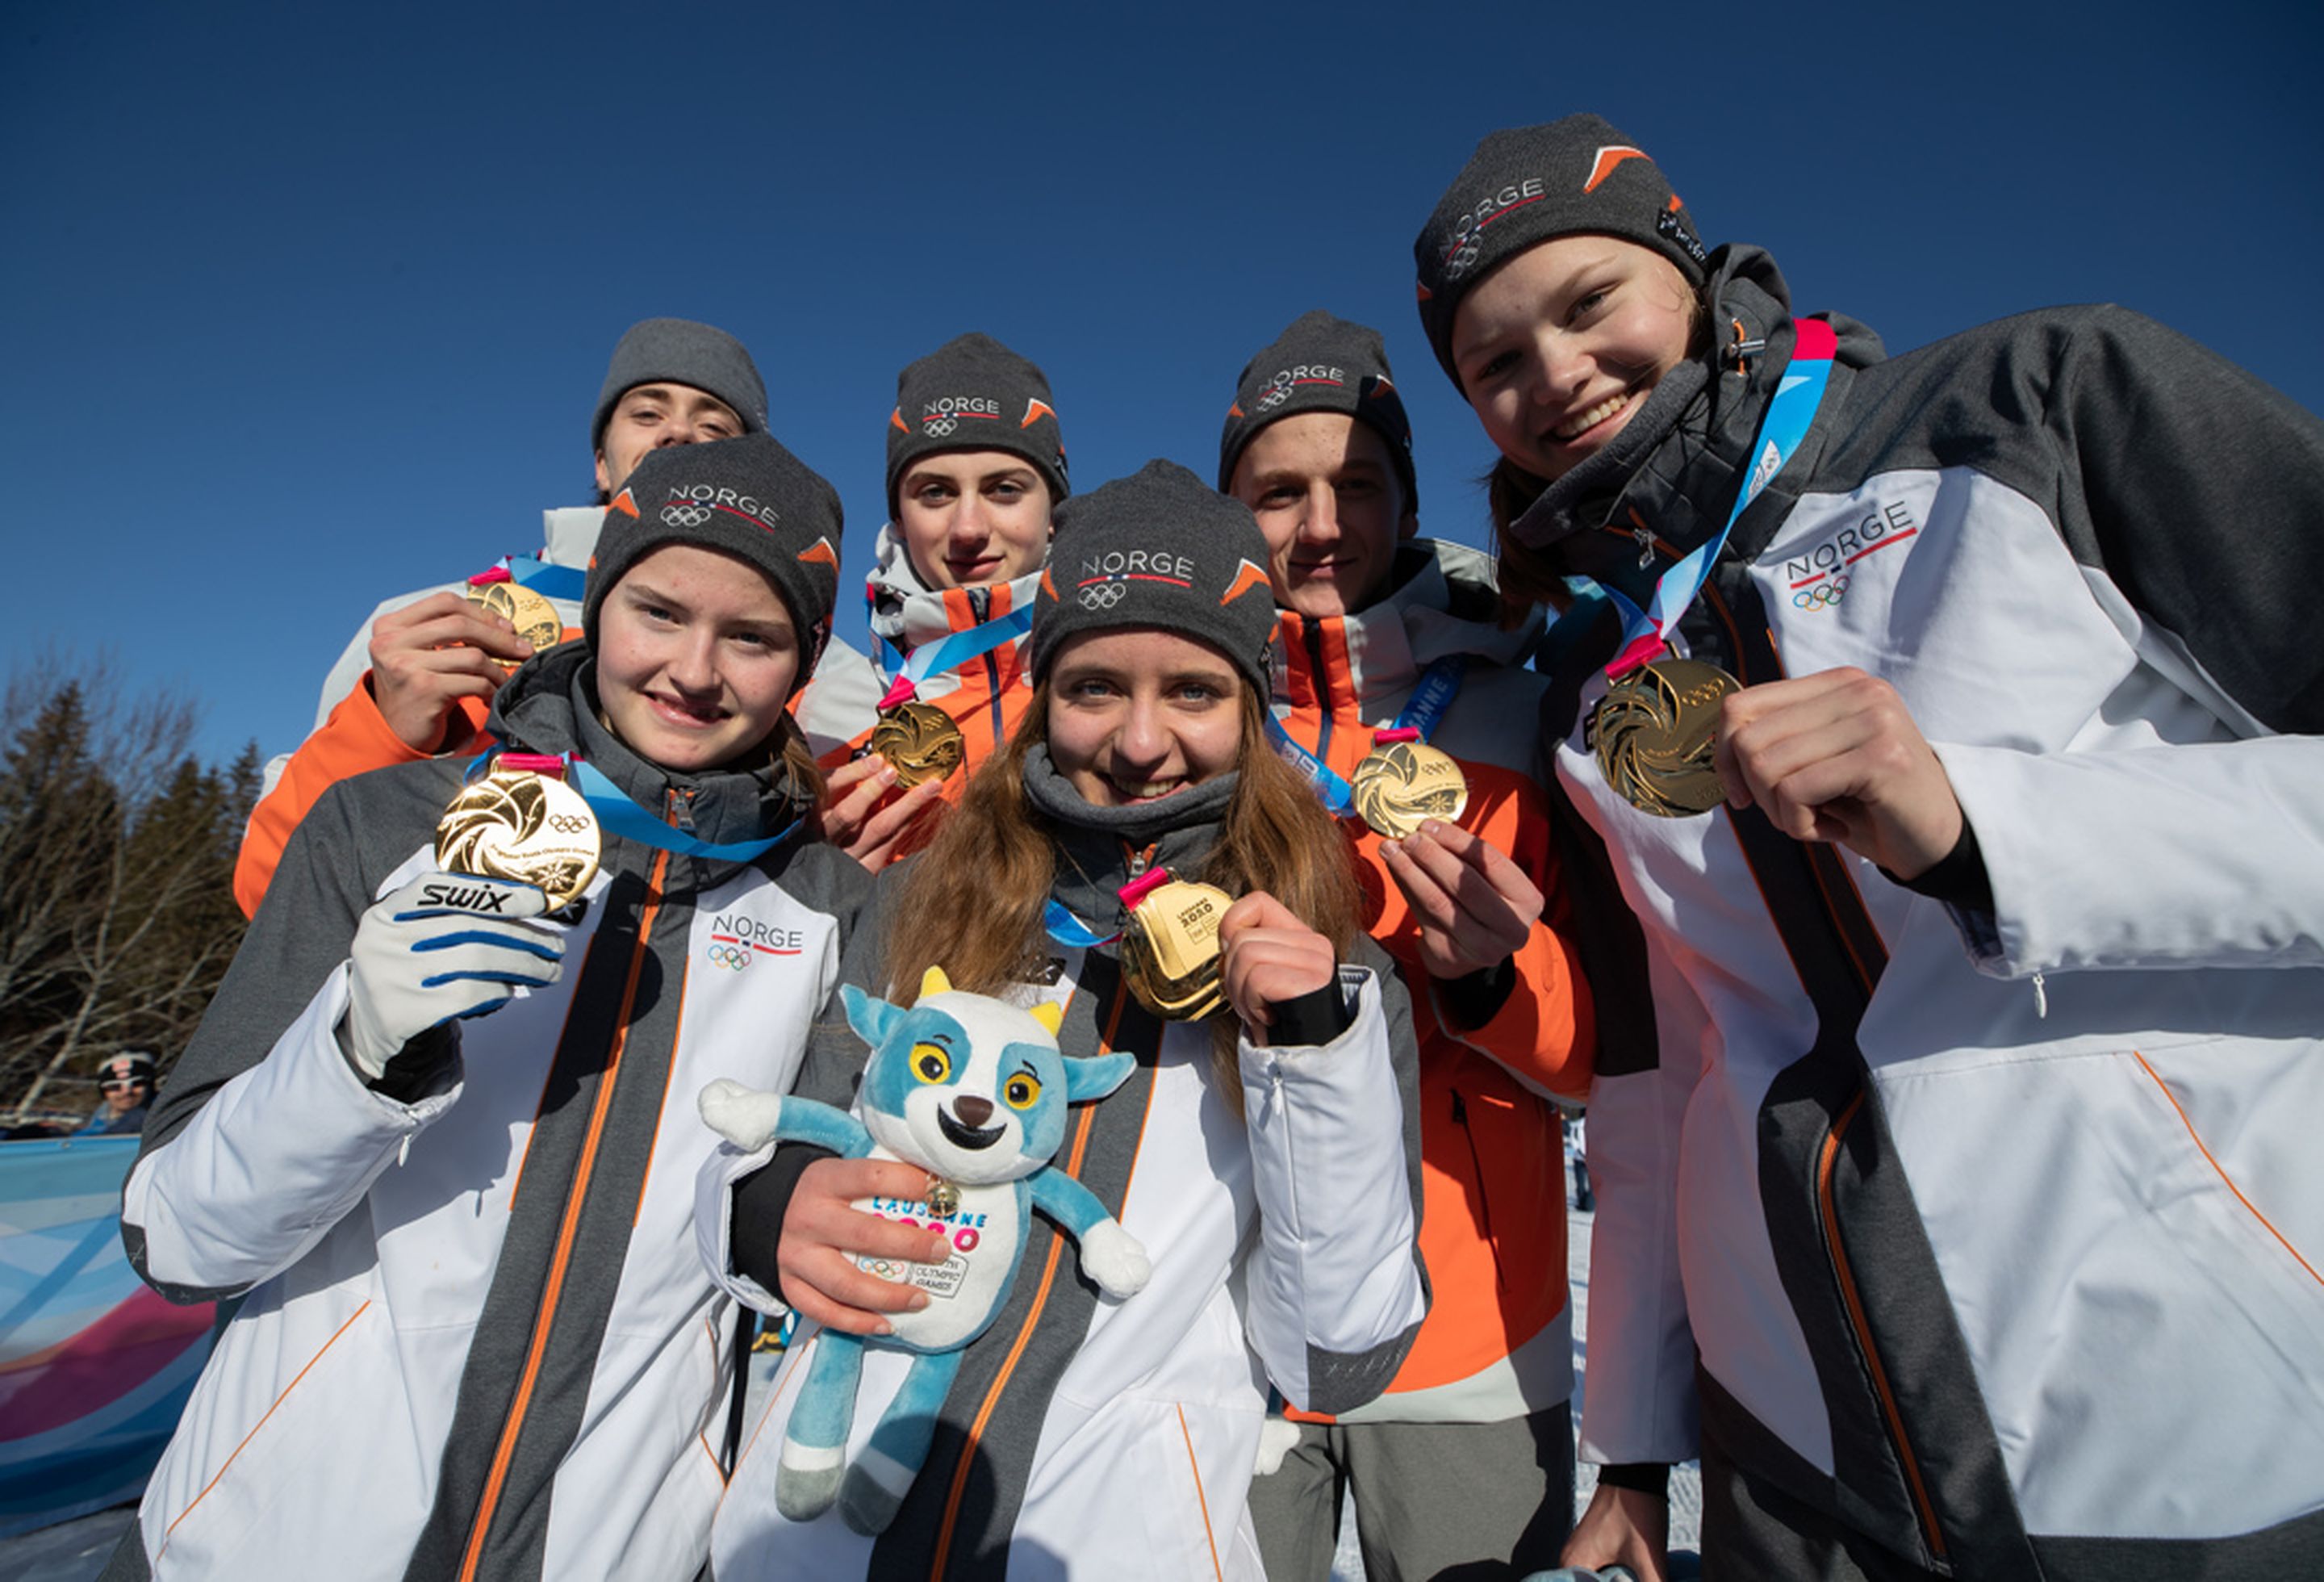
1467	1459
420	676
976	463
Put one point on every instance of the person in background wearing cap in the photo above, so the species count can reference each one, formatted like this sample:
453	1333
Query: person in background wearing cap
127	1082
976	463
1949	726
419	677
1266	1155
1468	1458
445	1140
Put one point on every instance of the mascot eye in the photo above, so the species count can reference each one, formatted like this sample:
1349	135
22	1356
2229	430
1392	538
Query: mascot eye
1022	1092
929	1063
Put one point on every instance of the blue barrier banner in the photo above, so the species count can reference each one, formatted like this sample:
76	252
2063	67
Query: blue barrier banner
95	1366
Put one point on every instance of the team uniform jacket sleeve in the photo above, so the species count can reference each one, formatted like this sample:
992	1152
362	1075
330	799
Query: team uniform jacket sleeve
265	1136
353	741
2198	492
1336	1290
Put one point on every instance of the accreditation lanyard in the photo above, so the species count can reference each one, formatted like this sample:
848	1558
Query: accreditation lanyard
615	812
1440	683
528	571
1647	632
945	654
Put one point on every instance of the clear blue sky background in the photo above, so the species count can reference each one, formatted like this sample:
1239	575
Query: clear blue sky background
301	307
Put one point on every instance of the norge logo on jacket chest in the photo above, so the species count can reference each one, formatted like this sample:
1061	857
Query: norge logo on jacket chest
758	968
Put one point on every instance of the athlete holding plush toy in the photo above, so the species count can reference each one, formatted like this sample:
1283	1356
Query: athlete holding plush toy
1139	861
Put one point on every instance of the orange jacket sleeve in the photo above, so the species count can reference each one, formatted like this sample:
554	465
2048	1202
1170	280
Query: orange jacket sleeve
1545	1033
355	739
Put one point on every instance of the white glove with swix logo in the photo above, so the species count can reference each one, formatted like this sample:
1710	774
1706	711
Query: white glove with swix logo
445	947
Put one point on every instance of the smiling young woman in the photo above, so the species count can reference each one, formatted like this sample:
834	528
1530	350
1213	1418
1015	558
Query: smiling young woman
1266	1154
428	1103
1871	672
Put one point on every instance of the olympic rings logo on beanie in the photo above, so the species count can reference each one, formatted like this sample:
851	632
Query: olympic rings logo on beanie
1157	549
961	397
1320	363
750	498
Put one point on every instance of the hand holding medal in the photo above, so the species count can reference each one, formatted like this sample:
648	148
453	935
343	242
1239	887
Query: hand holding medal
1474	907
1836	757
1270	957
429	654
867	812
526	610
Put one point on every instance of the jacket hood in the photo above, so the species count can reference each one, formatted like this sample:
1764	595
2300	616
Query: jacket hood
1690	440
907	612
549	705
1443	599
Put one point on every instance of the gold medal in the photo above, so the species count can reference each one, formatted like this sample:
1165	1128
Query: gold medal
1401	786
1170	950
514	824
536	619
920	741
1652	731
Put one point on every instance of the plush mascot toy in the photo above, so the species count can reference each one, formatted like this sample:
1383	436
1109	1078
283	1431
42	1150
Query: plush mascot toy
973	1091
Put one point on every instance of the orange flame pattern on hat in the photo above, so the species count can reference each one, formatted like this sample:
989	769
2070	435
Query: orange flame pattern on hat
1610	156
1246	578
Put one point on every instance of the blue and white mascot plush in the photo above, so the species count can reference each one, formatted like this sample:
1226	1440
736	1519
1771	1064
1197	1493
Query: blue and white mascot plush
973	1091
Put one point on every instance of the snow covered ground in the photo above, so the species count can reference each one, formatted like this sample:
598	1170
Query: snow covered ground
75	1552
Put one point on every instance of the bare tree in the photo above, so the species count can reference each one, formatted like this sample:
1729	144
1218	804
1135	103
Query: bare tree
116	850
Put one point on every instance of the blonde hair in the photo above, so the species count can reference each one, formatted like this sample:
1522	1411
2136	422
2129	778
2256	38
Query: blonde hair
994	860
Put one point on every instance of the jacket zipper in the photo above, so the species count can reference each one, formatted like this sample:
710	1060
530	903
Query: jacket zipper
1484	1198
1846	1279
1323	684
979	604
577	1198
1844	1275
991	1400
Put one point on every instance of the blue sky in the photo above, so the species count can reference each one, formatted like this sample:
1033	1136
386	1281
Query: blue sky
304	307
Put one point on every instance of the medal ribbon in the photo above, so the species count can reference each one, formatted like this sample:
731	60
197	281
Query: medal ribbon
1645	632
1067	929
1439	685
528	571
615	812
947	653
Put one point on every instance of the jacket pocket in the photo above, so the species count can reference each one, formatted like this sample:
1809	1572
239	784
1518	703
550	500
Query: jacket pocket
1193	1470
294	1460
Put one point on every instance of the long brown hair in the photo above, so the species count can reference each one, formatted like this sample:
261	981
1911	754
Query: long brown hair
973	903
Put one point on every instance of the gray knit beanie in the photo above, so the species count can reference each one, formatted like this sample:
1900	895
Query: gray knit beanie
1157	549
683	352
973	393
1320	364
1530	184
748	497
